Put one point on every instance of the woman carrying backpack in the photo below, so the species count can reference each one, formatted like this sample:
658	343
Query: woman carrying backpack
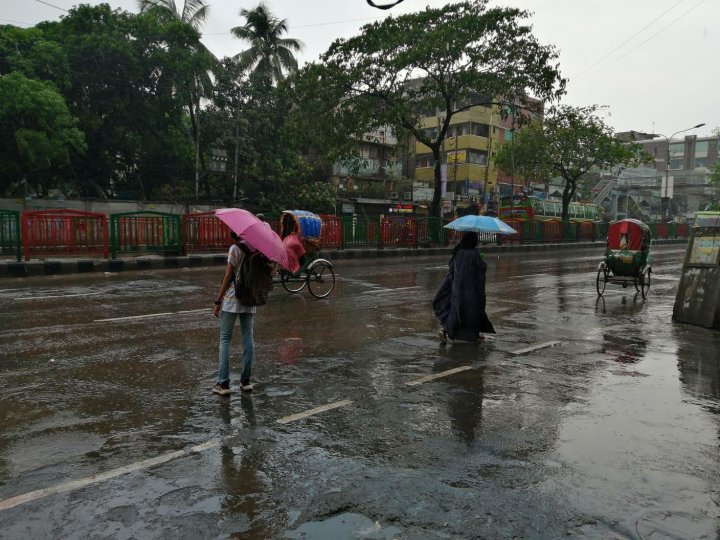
228	308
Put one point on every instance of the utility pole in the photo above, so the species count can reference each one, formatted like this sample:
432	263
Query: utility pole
489	155
665	199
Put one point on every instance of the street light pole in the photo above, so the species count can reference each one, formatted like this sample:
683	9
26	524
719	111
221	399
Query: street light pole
664	191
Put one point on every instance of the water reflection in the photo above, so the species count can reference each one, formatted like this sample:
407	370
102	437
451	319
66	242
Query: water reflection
466	389
699	363
244	484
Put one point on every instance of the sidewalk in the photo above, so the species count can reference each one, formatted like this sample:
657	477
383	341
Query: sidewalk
57	265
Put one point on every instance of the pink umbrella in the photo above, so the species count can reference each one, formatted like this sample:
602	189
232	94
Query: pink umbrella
255	233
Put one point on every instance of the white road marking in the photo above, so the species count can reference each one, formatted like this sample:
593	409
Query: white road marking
152	315
56	296
311	412
391	290
536	347
12	502
437	375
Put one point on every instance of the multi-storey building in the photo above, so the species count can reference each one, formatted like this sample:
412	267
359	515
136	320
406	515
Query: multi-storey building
468	173
680	174
375	170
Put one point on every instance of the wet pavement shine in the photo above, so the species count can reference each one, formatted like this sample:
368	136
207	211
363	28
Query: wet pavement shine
584	417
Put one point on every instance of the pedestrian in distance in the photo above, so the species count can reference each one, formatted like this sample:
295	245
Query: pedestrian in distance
459	303
229	308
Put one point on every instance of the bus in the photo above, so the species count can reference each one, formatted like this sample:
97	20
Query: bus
533	208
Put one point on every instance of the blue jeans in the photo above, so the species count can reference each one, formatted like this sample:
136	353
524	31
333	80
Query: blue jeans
227	322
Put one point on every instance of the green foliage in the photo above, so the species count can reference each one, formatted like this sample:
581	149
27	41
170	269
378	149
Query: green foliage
270	55
569	142
715	176
38	132
446	59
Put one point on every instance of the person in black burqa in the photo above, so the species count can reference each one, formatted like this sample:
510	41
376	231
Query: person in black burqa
459	303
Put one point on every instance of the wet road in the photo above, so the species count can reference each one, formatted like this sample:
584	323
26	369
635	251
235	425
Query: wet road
108	428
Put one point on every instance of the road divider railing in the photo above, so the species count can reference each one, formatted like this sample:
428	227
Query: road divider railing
10	235
202	232
62	232
145	231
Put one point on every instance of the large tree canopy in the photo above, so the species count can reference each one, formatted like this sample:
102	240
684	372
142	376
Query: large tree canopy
37	131
441	60
568	142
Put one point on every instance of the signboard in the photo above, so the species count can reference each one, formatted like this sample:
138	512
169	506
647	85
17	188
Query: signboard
705	251
347	208
457	156
401	209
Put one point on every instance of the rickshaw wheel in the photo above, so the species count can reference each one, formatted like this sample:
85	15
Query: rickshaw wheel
645	282
321	280
601	280
291	282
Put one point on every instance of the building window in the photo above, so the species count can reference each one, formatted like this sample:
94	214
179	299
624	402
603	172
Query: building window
677	149
477	156
701	149
425	161
700	162
676	164
482	130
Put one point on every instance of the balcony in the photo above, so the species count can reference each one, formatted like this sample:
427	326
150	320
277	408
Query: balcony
369	167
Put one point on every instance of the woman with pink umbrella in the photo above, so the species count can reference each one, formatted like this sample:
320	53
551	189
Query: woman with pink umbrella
249	234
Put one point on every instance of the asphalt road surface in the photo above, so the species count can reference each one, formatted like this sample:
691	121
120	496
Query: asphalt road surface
582	417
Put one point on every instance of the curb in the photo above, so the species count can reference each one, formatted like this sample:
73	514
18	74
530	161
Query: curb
13	269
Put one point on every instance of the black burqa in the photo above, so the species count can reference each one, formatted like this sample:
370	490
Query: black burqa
459	303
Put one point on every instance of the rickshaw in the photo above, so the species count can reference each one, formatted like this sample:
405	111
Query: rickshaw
316	273
626	257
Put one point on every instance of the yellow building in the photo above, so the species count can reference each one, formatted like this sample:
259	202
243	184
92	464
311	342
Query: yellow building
472	138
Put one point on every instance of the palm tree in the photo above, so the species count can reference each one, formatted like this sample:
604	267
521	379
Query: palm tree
193	13
269	55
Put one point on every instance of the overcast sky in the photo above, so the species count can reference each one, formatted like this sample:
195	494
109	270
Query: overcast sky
654	63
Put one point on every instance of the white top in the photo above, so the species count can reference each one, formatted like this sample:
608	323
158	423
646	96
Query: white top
230	302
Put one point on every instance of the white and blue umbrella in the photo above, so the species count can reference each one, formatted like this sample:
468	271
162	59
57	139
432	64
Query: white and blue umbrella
480	224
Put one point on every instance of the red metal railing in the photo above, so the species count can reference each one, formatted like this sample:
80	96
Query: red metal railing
203	232
64	232
552	231
330	235
398	232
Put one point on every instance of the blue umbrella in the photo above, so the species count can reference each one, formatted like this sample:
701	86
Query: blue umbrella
480	224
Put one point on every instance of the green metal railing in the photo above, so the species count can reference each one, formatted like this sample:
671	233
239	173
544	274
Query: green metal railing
10	234
359	232
145	231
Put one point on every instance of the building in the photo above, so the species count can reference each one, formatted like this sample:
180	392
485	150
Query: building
680	174
469	176
375	171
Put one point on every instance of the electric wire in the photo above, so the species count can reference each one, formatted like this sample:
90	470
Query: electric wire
643	42
636	34
52	5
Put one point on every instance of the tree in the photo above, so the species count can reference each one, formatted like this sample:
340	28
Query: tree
714	202
270	55
569	142
38	132
194	82
448	59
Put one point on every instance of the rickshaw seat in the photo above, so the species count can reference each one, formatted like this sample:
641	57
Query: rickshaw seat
632	232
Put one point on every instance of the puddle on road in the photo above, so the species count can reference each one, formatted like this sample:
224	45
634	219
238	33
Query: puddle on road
279	391
346	526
